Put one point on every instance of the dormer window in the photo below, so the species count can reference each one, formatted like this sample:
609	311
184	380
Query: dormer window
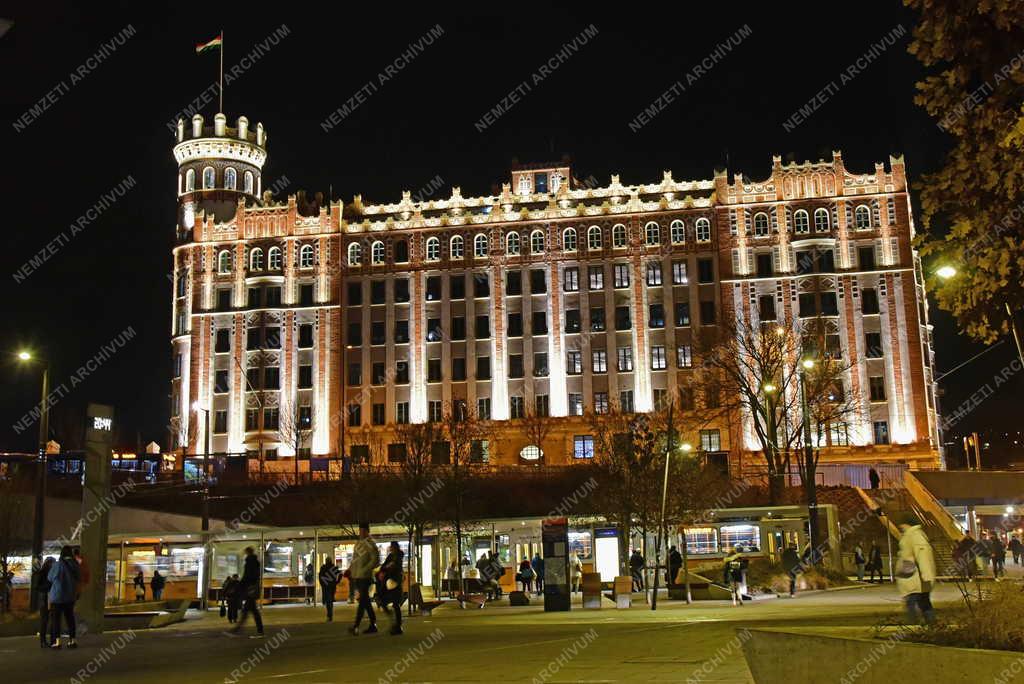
540	182
525	186
556	181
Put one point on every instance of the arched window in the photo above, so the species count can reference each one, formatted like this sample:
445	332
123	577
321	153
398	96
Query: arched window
230	178
862	217
703	229
652	233
400	251
761	224
821	220
678	232
531	453
274	258
525	186
355	254
480	246
556	182
569	239
190	180
618	236
537	242
433	249
224	261
801	221
209	178
455	247
306	256
248	182
256	259
377	252
512	244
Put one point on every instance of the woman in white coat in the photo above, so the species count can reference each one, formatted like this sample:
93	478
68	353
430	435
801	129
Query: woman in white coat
915	569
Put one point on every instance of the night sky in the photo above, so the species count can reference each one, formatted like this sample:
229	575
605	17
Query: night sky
108	125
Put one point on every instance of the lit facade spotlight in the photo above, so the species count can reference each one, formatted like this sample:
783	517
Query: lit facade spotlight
685	446
24	356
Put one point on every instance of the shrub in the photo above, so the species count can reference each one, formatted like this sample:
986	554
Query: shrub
993	622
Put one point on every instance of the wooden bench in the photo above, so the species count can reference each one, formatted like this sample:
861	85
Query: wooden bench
479	600
419	603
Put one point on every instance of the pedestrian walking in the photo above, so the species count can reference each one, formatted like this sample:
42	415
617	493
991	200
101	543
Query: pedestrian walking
41	585
1017	549
140	586
64	576
636	569
675	563
735	564
860	561
874	562
329	577
538	572
307	578
873	478
525	575
157	585
792	565
452	575
575	571
915	572
229	598
365	557
250	589
389	588
998	551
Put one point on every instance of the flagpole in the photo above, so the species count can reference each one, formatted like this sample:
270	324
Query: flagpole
221	110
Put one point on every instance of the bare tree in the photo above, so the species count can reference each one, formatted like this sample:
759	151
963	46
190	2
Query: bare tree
295	428
537	427
463	431
12	518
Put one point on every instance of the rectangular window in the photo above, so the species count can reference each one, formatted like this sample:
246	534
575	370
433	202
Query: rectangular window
401	332
355	334
355	374
252	420
457	286
626	401
516	408
682	314
481	285
574	363
597	323
600	402
306	294
869	300
881	431
360	453
306	336
764	265
220	422
804	263
621	275
538	285
710	440
377	292
433	288
435	411
355	415
766	307
483	327
540	323
653	273
873	345
273	296
572	320
433	370
625	359
435	333
458	369
271	419
272	378
483	368
684	356
575	404
541	405
177	365
596	274
877	387
396	453
441	453
253	299
458	328
223	299
305	416
515	366
829	304
808	304
866	258
707	313
483	408
679	273
658	361
378	377
622	320
600	361
540	365
220	382
379	414
222	343
402	412
355	294
378	334
479	451
305	377
252	338
656	316
583	446
402	290
514	283
401	372
252	379
272	337
515	325
571	279
705	271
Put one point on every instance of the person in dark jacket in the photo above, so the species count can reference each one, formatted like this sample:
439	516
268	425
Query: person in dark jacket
791	564
873	478
229	593
41	584
63	577
525	575
250	589
157	585
874	563
389	589
998	553
538	572
636	568
1016	548
140	586
675	563
329	576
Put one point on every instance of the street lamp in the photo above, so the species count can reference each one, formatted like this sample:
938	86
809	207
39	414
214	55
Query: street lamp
44	430
947	272
205	584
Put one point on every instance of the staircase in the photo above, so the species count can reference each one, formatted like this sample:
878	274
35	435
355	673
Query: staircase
938	531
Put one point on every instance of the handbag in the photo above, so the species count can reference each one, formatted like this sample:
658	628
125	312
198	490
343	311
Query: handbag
906	569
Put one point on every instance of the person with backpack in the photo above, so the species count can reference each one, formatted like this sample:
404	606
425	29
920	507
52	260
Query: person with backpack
140	586
250	589
329	577
389	587
157	585
63	576
229	597
525	575
41	585
636	569
365	557
735	565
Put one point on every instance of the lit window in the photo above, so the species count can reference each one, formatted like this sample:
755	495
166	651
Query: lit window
355	254
678	232
701	540
583	446
433	249
653	273
531	453
618	236
652	233
684	356
190	180
594	240
862	217
306	255
569	240
377	252
247	179
512	244
480	246
525	186
224	262
274	258
679	273
256	260
760	224
801	222
821	220
230	178
710	440
455	247
703	230
658	358
208	178
537	242
747	537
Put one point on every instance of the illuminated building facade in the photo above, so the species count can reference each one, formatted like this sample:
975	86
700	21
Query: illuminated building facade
337	323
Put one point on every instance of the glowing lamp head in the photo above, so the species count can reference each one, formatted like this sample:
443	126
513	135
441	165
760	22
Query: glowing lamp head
808	363
946	272
24	356
769	388
685	446
780	331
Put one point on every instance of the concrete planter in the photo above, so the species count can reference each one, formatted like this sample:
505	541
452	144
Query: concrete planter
792	655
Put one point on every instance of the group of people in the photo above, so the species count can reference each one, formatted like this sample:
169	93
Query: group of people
870	563
243	592
156	584
366	571
531	572
59	583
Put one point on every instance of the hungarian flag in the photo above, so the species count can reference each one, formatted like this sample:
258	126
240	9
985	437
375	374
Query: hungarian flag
215	43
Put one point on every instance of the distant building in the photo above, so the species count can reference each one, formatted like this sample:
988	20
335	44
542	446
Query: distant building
315	327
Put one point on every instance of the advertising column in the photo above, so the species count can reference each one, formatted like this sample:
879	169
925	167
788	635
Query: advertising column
99	429
555	536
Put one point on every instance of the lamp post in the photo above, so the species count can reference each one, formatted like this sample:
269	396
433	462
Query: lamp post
664	498
205	584
812	498
40	502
